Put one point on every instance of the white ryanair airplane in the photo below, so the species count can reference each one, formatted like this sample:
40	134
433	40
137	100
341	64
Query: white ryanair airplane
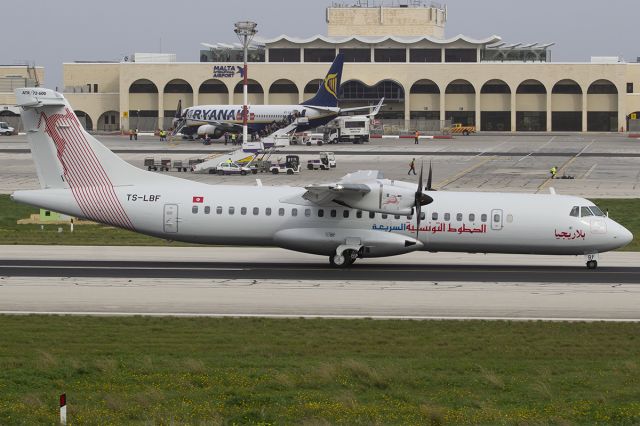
215	120
362	215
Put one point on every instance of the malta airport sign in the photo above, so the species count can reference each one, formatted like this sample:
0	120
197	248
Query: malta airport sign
227	71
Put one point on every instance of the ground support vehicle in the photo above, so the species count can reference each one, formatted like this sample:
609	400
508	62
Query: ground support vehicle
463	130
290	166
5	129
180	166
226	168
326	161
163	164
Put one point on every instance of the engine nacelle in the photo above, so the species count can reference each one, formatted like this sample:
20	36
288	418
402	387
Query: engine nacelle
208	129
386	198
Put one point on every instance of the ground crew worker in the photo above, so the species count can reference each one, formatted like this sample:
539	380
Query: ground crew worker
553	171
416	139
412	167
163	135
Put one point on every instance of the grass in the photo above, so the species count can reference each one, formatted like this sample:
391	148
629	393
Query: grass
142	370
625	211
12	233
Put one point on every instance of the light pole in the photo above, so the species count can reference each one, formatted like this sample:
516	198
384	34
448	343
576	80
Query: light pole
245	31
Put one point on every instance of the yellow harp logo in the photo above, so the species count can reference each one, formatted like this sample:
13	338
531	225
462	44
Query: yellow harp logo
330	83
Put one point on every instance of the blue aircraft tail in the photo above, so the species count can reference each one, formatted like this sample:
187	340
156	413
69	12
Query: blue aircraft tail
327	94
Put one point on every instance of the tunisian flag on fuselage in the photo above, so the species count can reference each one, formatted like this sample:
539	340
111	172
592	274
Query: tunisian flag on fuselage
197	199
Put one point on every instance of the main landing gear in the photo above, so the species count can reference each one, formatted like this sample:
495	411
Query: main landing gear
343	260
346	254
592	264
592	260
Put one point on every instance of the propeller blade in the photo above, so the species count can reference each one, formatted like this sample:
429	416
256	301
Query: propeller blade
418	201
429	178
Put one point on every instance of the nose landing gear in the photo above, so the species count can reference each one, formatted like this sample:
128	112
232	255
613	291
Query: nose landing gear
592	260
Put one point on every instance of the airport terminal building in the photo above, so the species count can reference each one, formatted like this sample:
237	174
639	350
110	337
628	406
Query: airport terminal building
397	52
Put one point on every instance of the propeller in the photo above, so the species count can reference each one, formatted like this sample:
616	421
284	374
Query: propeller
422	199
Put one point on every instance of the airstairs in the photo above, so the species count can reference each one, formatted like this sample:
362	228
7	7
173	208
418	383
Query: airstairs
249	150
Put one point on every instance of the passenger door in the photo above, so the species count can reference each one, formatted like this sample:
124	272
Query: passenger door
496	219
170	218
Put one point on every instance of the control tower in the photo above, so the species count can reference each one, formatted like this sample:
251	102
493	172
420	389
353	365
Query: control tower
402	18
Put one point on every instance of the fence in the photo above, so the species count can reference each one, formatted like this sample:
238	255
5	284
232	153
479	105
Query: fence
634	126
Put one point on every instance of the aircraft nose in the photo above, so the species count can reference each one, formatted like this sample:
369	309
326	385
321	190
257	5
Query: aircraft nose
622	235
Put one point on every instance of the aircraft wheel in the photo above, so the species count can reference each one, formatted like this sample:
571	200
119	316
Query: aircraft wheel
592	264
338	261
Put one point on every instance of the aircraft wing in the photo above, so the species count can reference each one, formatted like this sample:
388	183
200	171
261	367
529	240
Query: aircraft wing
365	190
350	188
325	193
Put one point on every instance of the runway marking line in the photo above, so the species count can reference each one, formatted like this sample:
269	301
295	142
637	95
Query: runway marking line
468	170
328	316
370	268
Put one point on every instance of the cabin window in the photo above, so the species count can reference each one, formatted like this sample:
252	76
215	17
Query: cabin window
397	217
472	217
423	216
307	212
219	210
294	212
232	210
280	211
372	215
345	214
256	211
359	214
483	217
207	209
459	217
334	213
434	216
194	209
596	211
584	211
509	218
267	211
384	215
320	212
243	211
447	216
575	211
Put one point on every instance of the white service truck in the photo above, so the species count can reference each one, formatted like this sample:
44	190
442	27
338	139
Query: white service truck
5	129
348	128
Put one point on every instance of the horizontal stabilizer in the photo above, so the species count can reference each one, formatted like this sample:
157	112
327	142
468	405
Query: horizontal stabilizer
37	98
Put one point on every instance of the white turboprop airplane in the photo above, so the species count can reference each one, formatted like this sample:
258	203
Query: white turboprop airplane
363	215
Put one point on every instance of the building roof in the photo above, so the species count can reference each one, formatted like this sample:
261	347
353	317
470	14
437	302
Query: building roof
377	39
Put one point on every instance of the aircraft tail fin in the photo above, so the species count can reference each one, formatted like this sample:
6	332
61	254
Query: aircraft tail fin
64	153
327	94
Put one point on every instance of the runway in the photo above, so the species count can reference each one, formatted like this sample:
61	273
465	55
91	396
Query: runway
321	271
223	281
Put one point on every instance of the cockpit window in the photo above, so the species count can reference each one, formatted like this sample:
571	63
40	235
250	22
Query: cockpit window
596	211
575	211
585	211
